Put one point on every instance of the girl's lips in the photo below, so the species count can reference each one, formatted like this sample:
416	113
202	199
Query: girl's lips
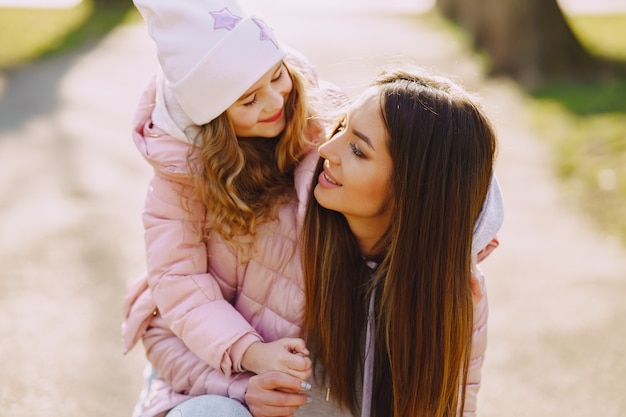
274	118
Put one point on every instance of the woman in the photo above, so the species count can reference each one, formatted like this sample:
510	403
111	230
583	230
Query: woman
391	243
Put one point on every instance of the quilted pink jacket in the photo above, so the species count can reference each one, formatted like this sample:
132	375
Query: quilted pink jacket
202	292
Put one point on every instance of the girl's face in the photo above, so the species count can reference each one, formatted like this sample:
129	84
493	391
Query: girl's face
260	111
357	170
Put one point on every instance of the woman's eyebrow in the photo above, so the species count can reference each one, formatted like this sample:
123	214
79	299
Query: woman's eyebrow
364	138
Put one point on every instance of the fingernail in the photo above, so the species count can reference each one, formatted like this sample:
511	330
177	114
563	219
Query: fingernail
309	399
305	385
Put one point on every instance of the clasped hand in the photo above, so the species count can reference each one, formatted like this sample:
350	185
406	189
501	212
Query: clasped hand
282	368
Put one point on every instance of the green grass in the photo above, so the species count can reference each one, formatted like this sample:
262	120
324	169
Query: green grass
29	34
586	127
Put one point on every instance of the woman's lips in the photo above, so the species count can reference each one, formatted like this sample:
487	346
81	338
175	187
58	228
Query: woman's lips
326	179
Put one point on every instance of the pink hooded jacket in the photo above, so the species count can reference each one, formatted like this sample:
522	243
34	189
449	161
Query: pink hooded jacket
202	292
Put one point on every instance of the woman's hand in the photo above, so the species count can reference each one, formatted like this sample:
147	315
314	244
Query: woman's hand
276	394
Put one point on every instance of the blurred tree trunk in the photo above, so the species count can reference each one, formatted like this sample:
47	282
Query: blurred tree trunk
528	40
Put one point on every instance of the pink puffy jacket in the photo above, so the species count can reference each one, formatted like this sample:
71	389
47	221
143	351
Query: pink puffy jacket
210	299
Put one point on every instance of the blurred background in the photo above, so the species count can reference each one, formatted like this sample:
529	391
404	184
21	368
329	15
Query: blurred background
72	185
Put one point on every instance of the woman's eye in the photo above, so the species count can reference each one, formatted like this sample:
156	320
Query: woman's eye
356	151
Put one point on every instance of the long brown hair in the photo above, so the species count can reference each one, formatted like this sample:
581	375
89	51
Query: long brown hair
243	182
442	147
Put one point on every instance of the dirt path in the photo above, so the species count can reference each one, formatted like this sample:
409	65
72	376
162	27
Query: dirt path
71	192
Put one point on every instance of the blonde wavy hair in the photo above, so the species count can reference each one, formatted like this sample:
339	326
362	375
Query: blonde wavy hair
242	182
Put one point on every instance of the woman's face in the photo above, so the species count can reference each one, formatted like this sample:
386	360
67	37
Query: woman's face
260	110
357	169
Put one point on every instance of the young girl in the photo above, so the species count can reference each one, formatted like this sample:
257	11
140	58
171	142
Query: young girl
405	205
227	128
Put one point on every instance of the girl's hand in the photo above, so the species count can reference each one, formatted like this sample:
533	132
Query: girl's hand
477	293
275	394
288	355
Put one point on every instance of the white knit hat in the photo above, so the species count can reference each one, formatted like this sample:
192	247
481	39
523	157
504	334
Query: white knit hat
210	51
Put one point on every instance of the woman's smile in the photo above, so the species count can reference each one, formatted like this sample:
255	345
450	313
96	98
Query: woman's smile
326	179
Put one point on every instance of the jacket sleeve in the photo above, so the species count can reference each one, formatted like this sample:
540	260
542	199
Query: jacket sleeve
184	371
188	297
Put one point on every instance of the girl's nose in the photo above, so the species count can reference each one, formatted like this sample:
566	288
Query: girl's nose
275	99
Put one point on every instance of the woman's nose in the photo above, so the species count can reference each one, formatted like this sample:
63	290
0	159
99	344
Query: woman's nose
327	151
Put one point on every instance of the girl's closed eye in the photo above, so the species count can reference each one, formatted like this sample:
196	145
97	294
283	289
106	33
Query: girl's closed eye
278	75
251	102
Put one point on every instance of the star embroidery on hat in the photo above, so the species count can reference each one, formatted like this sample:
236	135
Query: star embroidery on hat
224	19
266	32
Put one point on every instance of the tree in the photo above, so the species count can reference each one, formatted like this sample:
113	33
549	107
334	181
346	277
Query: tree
528	40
